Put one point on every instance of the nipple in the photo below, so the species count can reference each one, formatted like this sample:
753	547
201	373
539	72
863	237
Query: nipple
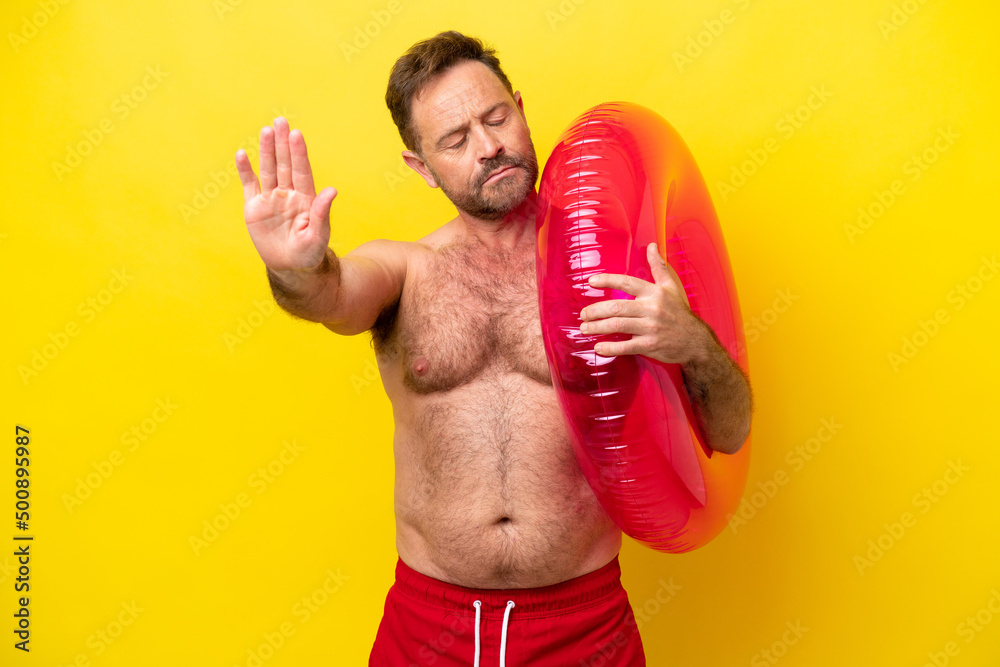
421	365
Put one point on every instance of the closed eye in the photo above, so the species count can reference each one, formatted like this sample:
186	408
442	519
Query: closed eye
496	124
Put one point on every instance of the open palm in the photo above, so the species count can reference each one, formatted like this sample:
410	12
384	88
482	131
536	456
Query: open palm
288	222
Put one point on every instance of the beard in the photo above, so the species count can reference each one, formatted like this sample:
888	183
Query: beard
495	200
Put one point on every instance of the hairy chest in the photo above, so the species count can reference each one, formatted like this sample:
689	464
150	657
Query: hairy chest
463	314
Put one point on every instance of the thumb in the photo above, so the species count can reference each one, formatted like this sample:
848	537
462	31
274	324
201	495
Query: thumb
664	274
319	212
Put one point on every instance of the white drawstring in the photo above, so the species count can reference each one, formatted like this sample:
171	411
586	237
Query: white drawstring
503	633
477	604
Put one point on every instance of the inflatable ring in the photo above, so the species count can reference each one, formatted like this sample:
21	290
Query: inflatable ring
620	178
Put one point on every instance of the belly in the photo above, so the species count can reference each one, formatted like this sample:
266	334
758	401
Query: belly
488	491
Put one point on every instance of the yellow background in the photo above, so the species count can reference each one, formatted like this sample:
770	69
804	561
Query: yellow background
191	324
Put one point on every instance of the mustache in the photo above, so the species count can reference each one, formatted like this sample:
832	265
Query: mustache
497	163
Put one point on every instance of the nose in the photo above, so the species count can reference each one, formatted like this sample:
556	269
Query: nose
488	145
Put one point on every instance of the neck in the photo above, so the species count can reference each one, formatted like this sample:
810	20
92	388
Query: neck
507	233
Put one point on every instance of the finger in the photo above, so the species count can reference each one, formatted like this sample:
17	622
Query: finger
268	177
281	153
612	308
302	176
628	284
627	325
249	179
664	274
616	348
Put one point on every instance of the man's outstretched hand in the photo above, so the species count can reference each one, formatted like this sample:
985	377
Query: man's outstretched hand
288	222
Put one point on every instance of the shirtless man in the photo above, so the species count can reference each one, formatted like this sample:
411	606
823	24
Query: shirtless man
504	550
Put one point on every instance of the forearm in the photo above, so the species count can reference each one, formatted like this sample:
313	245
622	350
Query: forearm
720	394
309	295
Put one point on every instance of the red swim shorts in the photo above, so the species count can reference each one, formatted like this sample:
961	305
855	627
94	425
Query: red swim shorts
583	622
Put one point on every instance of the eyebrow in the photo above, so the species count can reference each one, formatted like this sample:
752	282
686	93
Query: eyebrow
464	125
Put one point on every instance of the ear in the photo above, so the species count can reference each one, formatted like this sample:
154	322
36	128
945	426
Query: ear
416	163
519	101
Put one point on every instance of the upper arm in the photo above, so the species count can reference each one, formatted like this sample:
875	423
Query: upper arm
371	279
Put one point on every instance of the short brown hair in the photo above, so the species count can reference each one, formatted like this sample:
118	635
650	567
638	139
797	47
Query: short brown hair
421	63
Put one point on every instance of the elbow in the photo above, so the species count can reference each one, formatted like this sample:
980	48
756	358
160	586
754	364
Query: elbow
740	430
344	327
730	447
733	444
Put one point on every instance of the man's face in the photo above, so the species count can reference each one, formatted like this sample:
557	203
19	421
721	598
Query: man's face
469	128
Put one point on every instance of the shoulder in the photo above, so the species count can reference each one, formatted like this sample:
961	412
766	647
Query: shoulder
387	257
388	249
444	236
